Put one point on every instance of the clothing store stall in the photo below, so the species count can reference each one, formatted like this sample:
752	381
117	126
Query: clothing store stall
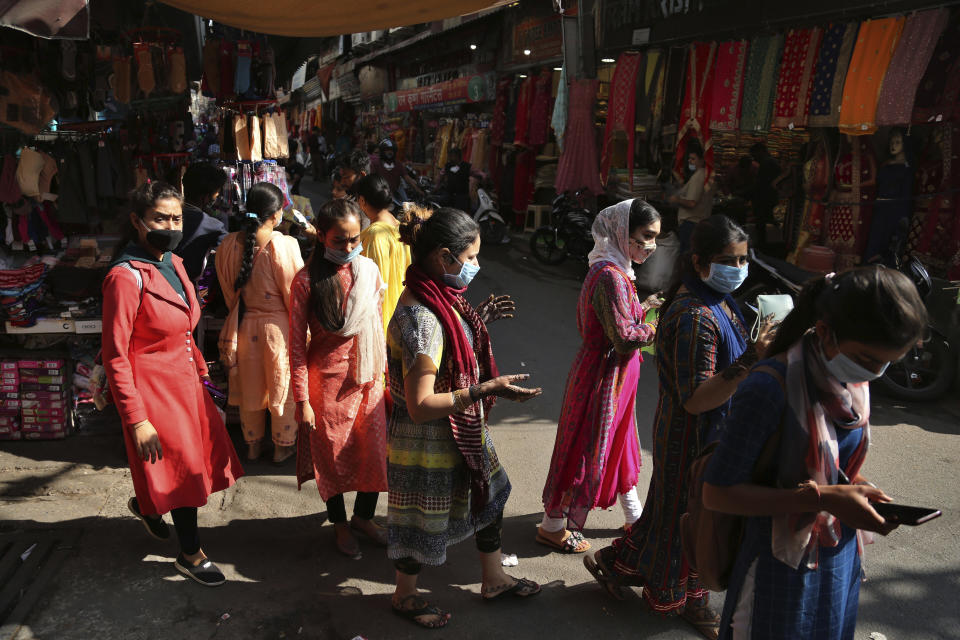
859	117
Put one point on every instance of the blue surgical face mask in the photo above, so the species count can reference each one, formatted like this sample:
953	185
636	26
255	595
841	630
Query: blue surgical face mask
339	256
726	279
845	369
461	280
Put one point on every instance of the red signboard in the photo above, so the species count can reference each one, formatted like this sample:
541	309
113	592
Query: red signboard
476	88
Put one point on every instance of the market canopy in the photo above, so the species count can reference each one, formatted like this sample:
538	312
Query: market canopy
305	19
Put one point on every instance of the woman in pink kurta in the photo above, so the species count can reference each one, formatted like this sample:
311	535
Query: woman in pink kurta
596	456
338	374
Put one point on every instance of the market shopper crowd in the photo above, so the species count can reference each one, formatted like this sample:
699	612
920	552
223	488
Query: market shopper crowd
380	377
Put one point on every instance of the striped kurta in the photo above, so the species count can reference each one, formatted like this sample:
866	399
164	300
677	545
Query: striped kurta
429	482
651	554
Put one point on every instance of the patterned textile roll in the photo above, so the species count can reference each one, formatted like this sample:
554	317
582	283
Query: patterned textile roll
832	64
761	82
876	43
796	78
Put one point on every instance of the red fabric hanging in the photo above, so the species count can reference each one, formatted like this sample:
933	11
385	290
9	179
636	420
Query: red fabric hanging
792	105
728	85
697	104
620	111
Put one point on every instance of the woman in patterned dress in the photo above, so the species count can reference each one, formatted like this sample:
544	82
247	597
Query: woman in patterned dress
596	456
446	483
338	375
702	356
797	575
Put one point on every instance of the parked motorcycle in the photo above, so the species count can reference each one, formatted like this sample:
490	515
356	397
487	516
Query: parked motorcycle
928	370
493	229
568	234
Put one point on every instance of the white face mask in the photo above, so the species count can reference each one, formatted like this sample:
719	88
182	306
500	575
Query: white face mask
692	167
640	254
845	369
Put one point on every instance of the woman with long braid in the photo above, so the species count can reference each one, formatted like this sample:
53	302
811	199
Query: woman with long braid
256	268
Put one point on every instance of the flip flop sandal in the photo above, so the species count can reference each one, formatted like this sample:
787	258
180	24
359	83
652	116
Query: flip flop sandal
704	620
426	610
518	588
605	581
571	544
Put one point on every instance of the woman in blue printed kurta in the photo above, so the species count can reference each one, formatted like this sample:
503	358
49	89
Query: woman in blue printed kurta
797	575
701	357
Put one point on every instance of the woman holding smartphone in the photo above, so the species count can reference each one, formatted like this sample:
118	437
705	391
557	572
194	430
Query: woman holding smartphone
797	574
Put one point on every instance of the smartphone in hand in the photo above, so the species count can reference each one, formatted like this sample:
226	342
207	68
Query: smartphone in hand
903	514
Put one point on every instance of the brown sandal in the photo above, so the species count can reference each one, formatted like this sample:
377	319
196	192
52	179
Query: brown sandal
572	542
703	619
608	582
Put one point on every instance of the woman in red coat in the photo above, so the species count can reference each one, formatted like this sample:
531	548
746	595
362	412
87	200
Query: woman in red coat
177	444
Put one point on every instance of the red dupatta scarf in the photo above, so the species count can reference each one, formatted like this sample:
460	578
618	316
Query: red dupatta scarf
467	366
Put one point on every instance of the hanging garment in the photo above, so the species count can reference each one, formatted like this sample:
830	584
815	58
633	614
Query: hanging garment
621	110
241	135
283	138
145	77
28	172
241	76
832	64
891	209
226	70
578	163
934	232
761	82
649	109
910	60
673	90
792	106
876	43
521	133
122	79
499	112
176	70
816	182
210	84
523	183
558	121
851	201
270	147
9	188
540	111
728	85
694	118
939	90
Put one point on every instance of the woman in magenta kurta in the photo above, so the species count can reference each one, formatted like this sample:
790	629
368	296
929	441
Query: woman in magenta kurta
596	456
338	375
177	444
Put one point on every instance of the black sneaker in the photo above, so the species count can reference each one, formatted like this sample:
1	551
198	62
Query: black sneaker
156	527
206	573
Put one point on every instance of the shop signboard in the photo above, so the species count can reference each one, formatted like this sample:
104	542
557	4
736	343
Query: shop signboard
542	37
475	88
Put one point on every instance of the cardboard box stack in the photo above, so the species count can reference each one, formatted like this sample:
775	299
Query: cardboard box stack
36	400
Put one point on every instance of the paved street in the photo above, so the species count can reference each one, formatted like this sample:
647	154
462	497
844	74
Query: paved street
286	580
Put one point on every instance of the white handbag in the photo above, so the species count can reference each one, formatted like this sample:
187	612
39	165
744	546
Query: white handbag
777	305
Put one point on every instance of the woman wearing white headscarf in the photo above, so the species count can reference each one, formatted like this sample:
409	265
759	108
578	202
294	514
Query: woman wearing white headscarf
596	456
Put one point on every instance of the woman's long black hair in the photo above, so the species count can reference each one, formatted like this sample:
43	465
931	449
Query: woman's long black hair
263	202
873	305
709	238
326	290
448	228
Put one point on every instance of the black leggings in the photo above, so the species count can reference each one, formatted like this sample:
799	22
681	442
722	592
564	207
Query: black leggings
364	507
185	524
488	541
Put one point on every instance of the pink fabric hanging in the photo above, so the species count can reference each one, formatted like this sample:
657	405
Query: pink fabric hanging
620	111
578	165
728	85
524	104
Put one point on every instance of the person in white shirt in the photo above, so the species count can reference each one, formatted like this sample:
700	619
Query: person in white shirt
694	199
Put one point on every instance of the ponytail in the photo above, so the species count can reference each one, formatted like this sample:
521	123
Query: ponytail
873	305
263	202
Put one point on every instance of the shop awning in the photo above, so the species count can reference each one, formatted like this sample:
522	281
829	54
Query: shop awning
305	19
67	19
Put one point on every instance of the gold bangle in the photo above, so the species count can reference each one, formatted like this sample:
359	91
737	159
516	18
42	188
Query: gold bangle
461	399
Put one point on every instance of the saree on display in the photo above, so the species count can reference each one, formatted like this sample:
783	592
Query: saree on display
796	78
876	43
832	63
761	82
728	85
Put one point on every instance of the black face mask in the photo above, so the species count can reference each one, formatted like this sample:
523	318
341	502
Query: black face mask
163	239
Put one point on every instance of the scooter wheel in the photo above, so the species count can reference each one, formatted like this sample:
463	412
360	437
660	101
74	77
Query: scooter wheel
548	246
492	231
925	373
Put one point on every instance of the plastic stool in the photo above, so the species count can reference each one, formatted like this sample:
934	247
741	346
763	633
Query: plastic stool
537	216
